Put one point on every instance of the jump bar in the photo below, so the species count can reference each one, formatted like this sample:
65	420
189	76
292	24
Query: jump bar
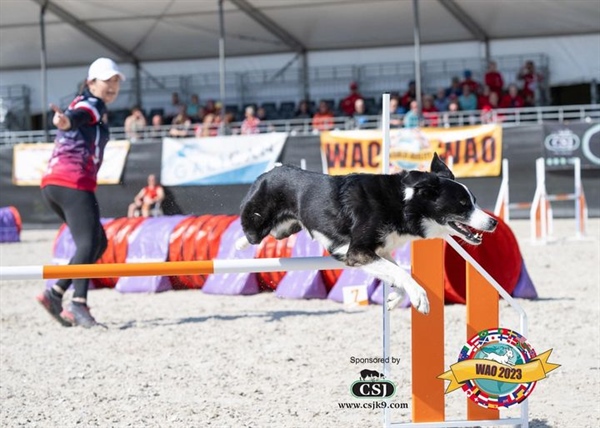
168	268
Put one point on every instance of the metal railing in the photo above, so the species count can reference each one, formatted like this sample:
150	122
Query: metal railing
505	117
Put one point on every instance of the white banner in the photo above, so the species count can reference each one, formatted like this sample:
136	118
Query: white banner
235	159
31	159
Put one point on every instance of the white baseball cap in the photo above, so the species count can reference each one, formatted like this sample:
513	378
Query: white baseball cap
104	69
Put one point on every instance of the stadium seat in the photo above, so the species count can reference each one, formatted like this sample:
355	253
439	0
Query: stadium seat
287	109
371	105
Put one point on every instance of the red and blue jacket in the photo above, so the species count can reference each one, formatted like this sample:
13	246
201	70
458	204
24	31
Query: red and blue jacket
78	152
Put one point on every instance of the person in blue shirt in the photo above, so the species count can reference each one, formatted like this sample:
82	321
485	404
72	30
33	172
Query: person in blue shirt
468	100
412	118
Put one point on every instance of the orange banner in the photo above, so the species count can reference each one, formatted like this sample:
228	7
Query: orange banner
476	151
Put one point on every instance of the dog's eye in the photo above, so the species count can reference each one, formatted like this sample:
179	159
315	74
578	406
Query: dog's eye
464	202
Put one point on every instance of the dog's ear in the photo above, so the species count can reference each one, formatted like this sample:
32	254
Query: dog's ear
424	183
438	167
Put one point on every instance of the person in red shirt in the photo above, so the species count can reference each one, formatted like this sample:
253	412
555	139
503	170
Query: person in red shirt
483	99
323	118
488	111
531	80
430	113
147	198
493	78
409	96
69	184
512	99
468	80
347	104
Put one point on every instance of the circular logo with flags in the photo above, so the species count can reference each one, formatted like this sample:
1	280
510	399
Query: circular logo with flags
498	368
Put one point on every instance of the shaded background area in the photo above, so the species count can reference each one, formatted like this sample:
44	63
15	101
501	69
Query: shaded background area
520	146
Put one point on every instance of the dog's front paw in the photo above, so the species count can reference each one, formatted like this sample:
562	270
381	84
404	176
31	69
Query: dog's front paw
242	243
394	299
418	297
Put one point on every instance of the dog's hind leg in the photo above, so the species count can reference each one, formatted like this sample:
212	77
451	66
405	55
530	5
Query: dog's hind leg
388	271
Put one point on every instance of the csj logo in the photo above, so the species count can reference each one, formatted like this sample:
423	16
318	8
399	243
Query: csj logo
563	141
373	384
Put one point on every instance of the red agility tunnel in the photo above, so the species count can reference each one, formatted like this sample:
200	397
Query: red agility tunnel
117	234
199	238
498	254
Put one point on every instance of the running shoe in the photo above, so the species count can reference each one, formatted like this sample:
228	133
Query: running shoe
52	304
78	315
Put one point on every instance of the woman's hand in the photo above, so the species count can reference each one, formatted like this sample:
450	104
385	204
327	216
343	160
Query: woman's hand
60	120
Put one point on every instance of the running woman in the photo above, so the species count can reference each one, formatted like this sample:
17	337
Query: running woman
69	184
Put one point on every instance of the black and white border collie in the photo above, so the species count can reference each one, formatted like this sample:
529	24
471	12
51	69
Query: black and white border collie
361	218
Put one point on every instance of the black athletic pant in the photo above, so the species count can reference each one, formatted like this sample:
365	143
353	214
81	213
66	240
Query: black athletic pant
80	210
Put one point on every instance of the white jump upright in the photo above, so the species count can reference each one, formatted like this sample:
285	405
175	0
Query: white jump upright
385	169
540	209
502	207
541	214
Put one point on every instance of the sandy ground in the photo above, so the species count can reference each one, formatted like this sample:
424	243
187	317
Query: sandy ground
187	359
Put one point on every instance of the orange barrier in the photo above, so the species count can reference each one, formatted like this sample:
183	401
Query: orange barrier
428	392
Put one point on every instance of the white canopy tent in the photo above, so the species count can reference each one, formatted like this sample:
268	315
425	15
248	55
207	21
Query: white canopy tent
78	31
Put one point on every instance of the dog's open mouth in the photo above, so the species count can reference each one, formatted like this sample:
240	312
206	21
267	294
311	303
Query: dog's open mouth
467	233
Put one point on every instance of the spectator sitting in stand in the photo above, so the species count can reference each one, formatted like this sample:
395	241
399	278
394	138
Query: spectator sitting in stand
265	125
323	118
395	110
484	97
208	127
493	79
146	199
218	119
468	80
452	116
173	109
251	123
455	89
488	111
135	124
411	118
468	100
210	106
360	115
303	111
347	104
193	107
409	95
156	131
441	101
181	124
531	80
430	113
226	128
512	99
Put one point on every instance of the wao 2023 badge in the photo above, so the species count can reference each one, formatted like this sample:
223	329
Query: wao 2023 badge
498	368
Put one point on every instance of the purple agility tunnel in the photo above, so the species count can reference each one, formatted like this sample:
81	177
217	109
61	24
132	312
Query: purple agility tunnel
10	225
149	242
303	284
232	283
63	248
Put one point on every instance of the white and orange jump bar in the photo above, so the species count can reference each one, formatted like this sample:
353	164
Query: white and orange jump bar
202	267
